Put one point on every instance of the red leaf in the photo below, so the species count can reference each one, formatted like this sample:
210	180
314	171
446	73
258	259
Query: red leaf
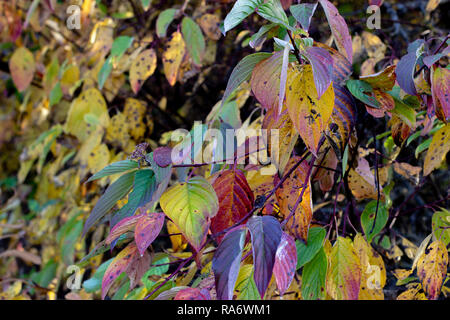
339	29
235	199
285	263
265	80
192	294
124	225
120	264
147	229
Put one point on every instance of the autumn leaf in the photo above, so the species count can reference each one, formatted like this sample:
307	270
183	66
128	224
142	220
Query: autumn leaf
344	273
373	271
191	205
235	199
440	87
432	268
142	68
22	67
280	151
245	284
227	260
339	29
147	229
120	264
287	195
440	145
173	56
285	263
310	115
266	235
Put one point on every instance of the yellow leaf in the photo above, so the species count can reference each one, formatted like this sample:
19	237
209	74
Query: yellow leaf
117	131
69	78
440	145
177	241
432	268
287	195
373	271
90	105
142	68
173	56
309	114
134	112
344	272
210	25
98	158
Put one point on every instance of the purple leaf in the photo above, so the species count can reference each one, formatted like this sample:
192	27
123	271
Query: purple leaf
163	156
266	235
322	65
227	260
285	263
303	12
147	229
405	73
339	29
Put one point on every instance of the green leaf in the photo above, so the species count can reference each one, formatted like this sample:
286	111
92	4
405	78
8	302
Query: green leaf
146	4
241	10
368	217
113	168
95	282
242	72
306	253
190	205
56	94
194	39
143	189
405	112
441	225
303	12
104	72
358	89
422	147
163	21
120	45
273	11
113	193
245	284
314	276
